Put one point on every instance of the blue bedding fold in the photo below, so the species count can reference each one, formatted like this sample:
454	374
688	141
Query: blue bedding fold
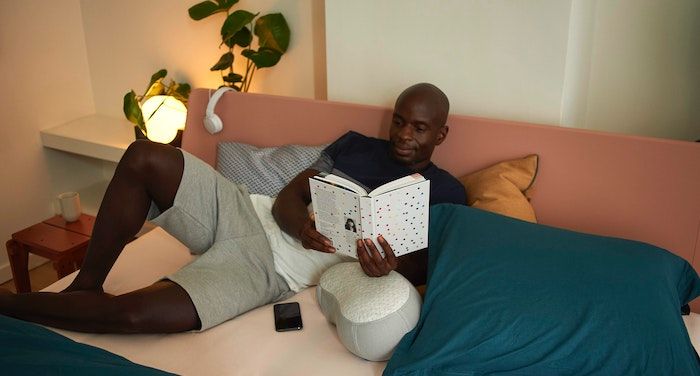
506	297
29	349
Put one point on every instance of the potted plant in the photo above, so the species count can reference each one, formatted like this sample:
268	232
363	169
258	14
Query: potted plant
237	32
159	113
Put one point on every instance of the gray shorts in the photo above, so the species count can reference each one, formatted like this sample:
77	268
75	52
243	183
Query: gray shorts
215	219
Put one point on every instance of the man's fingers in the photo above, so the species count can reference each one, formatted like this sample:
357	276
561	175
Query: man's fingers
312	239
377	258
388	252
361	257
318	246
365	260
322	243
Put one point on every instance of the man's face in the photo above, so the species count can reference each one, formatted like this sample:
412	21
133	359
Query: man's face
416	128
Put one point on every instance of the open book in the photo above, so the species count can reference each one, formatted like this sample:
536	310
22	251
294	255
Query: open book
397	210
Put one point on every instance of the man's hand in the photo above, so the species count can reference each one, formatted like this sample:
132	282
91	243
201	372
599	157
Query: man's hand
372	262
312	239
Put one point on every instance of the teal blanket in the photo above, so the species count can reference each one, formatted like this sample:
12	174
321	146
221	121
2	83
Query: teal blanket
29	349
507	297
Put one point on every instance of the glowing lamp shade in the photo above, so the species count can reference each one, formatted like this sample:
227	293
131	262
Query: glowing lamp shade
164	116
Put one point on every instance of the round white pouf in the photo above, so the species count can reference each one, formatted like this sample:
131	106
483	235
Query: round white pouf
371	314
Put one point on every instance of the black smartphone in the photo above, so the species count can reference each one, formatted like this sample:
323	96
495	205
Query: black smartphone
287	317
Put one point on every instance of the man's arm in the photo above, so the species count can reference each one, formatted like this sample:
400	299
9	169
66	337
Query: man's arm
291	213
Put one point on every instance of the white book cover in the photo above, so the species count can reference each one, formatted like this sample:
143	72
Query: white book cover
398	210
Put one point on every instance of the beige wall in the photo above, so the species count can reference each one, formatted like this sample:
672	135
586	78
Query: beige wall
645	68
630	66
502	59
128	40
43	69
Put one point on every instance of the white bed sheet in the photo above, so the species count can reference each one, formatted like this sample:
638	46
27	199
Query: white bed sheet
246	345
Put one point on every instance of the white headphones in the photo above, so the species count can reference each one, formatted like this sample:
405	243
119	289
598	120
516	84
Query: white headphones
212	122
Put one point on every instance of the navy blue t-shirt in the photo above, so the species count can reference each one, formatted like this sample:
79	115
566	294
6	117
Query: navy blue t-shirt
367	161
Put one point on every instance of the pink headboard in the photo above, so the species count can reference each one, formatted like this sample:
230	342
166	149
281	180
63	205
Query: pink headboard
625	186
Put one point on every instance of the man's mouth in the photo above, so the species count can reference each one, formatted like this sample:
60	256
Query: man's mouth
403	151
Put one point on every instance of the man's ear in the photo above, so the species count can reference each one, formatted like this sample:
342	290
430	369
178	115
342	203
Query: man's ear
442	134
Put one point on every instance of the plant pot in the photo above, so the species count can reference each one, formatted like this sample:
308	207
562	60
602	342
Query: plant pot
139	135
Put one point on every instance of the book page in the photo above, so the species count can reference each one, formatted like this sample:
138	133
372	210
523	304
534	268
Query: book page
337	215
401	217
341	182
398	183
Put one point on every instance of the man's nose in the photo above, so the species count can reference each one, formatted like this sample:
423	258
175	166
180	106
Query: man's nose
406	132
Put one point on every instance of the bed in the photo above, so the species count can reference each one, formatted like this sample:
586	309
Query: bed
591	182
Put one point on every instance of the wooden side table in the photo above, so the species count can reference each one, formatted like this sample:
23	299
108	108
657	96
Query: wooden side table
64	243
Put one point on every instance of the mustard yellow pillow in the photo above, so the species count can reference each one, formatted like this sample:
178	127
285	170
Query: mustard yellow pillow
502	188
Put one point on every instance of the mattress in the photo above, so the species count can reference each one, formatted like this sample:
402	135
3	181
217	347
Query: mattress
246	345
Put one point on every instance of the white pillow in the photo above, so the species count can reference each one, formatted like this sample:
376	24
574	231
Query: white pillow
371	314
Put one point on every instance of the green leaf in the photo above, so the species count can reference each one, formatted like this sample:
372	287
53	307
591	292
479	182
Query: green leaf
156	88
132	111
156	77
180	92
273	32
264	57
242	38
235	22
225	61
226	4
205	9
184	90
232	78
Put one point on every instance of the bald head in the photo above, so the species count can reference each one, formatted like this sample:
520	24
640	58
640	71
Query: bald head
430	96
418	125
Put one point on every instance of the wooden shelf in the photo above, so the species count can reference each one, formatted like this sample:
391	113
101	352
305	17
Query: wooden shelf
97	136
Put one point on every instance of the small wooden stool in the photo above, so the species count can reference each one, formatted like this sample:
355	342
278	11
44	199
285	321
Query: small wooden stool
64	243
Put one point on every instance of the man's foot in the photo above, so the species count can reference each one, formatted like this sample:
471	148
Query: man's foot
93	292
74	286
84	282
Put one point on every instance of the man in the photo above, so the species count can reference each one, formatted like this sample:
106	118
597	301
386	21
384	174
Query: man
253	249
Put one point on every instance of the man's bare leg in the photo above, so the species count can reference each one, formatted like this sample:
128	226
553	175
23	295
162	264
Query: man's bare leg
163	307
147	172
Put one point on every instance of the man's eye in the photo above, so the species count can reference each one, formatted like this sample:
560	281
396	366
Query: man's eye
421	129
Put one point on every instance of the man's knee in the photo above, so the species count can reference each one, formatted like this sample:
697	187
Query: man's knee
144	157
149	318
160	308
128	320
136	156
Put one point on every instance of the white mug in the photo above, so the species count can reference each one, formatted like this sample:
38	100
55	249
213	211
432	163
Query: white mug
70	206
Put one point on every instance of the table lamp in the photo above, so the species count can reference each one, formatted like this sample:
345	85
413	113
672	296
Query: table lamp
165	118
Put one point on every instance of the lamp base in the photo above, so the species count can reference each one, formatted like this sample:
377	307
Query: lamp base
177	142
139	135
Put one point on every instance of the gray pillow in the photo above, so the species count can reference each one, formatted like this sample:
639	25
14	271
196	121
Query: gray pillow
264	170
371	315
